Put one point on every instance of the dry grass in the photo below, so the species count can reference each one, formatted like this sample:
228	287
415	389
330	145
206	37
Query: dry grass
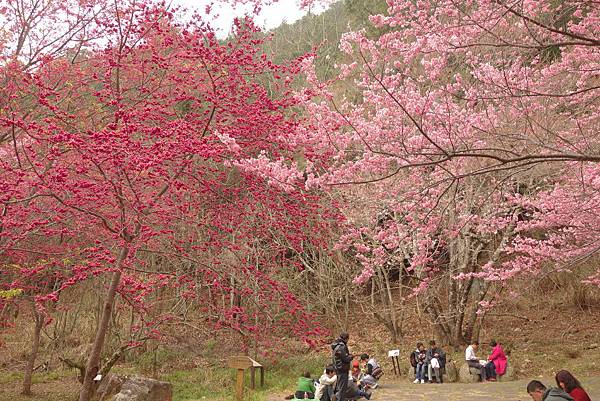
55	386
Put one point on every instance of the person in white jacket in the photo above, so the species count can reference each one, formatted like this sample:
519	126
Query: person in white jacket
326	387
473	361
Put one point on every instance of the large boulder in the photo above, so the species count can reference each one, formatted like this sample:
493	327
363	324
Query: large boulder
451	374
123	388
509	375
468	374
109	386
143	389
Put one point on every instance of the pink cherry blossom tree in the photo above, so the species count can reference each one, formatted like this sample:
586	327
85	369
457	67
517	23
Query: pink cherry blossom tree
482	118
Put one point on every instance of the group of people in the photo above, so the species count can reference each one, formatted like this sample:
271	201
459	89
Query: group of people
347	378
490	368
428	363
568	389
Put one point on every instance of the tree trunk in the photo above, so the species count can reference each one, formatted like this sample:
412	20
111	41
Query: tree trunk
93	363
39	322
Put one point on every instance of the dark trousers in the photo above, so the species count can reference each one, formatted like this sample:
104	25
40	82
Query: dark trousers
490	370
342	385
477	365
328	393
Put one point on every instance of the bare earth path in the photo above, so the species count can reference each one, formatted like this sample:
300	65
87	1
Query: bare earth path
510	391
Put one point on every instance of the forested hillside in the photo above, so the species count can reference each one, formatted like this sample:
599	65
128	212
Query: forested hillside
169	199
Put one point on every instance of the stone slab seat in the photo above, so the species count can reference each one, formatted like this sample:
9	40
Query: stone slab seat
468	374
473	375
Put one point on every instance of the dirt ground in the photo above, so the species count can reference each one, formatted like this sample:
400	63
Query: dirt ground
506	391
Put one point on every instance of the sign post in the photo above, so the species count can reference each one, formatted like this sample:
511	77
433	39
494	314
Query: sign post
240	363
256	365
394	354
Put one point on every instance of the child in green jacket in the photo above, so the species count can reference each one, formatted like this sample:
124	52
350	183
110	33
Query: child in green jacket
306	387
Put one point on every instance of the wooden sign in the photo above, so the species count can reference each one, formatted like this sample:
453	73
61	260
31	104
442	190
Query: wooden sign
239	362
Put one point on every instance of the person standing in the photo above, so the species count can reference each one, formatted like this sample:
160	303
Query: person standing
341	361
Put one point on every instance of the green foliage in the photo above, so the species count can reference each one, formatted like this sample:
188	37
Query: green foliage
159	358
10	294
210	345
215	382
323	32
218	382
38	377
10	377
200	384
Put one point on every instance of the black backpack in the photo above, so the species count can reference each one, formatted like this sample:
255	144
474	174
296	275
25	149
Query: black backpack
413	360
377	372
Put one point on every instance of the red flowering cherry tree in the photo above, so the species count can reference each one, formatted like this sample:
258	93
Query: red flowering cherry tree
141	134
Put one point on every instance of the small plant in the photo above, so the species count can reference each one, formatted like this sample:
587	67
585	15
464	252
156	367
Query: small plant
210	345
573	353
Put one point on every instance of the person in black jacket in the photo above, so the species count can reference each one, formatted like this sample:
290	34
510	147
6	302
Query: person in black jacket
435	352
341	361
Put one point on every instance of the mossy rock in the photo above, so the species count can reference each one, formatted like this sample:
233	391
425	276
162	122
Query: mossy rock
509	375
451	373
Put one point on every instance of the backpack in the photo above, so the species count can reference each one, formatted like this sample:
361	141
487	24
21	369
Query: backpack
413	360
335	356
377	372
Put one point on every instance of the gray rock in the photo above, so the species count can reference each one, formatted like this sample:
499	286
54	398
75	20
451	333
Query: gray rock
123	388
451	374
509	375
467	374
144	389
109	386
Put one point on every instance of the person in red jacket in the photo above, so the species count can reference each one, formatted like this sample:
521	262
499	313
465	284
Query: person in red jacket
498	357
568	382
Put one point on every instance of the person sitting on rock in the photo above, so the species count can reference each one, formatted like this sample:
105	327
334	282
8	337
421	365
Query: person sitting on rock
498	358
538	392
473	361
434	368
419	356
